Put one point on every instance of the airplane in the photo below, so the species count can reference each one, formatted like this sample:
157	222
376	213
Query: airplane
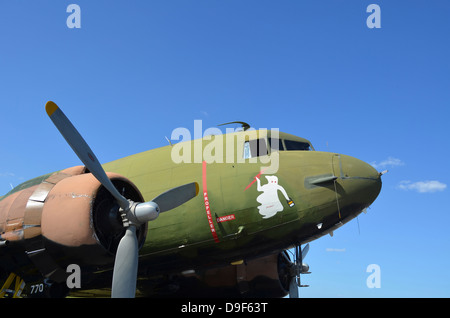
168	222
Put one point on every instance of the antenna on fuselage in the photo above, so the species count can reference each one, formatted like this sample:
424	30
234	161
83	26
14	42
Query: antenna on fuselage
168	140
244	125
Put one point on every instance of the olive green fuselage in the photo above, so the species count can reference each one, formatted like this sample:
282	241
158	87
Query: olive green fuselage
226	221
253	200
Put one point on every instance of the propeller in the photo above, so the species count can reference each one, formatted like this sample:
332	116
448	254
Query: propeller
298	268
133	214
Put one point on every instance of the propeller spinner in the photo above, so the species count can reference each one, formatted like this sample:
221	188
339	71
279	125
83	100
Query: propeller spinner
133	214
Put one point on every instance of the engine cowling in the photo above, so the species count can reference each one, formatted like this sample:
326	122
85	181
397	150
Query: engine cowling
263	277
67	218
80	212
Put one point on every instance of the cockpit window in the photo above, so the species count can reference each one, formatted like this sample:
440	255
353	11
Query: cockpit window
289	145
296	145
274	142
255	148
258	147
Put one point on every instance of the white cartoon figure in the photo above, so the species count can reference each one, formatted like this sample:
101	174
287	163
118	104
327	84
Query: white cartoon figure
270	204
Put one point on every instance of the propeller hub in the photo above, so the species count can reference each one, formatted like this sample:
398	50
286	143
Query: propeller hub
145	212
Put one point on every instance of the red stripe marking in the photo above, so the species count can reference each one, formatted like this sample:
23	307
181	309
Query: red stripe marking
207	205
254	179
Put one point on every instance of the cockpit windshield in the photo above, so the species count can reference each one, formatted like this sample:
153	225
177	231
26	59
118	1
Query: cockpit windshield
296	145
257	147
286	144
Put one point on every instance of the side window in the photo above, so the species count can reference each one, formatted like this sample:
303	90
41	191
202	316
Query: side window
255	148
247	153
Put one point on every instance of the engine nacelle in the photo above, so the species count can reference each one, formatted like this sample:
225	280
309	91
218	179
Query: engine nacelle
67	217
263	277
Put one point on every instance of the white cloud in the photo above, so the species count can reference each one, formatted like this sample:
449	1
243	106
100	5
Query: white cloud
328	249
389	162
7	174
422	186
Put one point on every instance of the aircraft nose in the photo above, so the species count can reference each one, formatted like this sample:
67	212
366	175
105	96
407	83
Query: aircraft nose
359	178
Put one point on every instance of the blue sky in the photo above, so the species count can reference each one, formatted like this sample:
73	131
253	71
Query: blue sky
136	70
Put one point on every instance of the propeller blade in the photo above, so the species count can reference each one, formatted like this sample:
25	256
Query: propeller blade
176	196
82	150
295	282
293	288
305	251
126	266
149	211
127	256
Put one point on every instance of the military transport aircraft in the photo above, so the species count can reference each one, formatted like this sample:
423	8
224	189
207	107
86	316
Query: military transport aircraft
231	240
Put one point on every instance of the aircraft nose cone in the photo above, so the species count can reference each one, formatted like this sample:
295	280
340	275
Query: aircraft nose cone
353	167
362	181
